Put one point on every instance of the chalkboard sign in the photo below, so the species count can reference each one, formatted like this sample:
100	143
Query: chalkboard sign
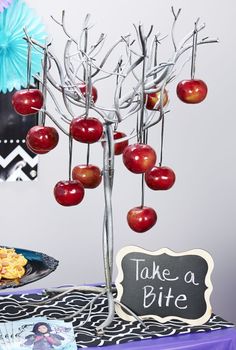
164	285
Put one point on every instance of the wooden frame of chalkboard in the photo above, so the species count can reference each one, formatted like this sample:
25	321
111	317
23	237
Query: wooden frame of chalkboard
164	285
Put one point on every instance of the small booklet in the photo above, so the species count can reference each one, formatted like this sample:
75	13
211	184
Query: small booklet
37	333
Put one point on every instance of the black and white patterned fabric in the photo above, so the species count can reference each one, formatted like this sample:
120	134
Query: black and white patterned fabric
17	162
16	307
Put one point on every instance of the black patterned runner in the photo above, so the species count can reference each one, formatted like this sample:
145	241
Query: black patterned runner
16	307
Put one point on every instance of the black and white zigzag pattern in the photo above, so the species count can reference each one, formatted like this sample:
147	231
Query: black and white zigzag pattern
15	307
18	164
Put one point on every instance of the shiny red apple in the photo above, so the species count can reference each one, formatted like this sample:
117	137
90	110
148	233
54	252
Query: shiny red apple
120	146
192	91
141	219
42	139
139	158
153	98
94	92
69	193
160	178
89	175
86	130
24	101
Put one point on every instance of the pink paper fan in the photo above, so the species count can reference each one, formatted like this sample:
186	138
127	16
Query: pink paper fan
4	4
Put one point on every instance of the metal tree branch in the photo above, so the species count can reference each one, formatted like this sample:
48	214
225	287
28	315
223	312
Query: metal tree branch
137	65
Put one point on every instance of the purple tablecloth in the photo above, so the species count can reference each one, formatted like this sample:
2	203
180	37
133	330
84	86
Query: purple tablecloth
224	339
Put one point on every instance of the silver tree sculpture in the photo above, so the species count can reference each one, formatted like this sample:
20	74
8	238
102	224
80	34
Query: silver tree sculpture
83	66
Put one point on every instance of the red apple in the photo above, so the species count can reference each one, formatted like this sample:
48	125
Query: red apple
141	219
94	92
120	146
192	91
153	98
24	101
89	175
86	130
69	193
139	158
160	178
42	139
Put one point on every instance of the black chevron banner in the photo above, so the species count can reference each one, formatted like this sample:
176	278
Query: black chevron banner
17	162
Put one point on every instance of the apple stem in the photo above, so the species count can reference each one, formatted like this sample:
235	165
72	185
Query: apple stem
144	53
155	55
119	69
145	136
29	65
162	139
137	128
142	191
70	155
44	86
88	154
144	140
87	74
85	48
88	88
194	50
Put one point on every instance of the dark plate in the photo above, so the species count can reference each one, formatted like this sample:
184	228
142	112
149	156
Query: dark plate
39	266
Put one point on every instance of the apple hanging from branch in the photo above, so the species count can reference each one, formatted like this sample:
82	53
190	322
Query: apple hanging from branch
153	99
86	130
42	139
120	146
69	193
160	178
141	219
89	175
138	158
27	101
192	91
94	92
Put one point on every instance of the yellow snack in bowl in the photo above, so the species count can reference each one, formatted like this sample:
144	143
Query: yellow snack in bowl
21	260
13	272
11	264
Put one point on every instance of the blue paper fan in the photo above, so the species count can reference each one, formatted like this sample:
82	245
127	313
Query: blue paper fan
13	48
4	4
